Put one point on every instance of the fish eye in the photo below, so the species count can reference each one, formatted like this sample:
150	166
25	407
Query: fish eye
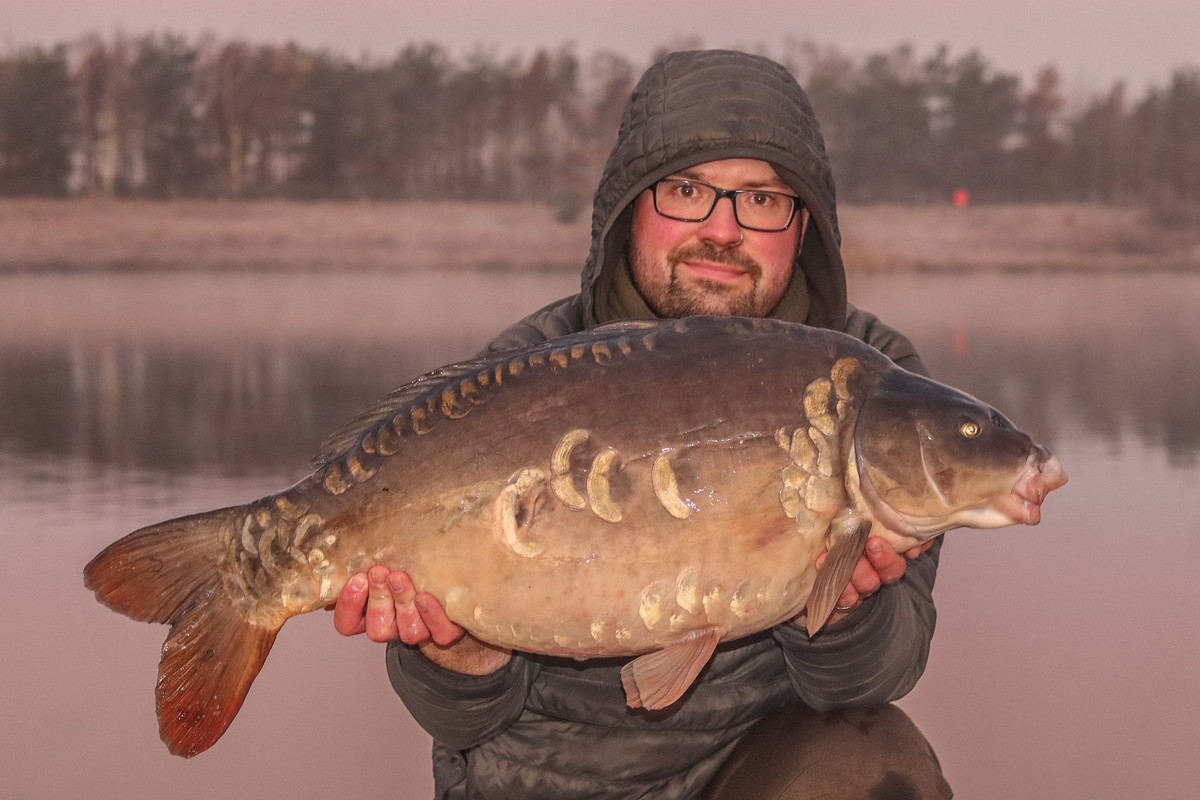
970	429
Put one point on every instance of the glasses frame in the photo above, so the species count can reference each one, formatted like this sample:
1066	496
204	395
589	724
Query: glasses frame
732	194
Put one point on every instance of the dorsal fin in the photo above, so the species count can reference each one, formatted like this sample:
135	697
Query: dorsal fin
347	435
417	391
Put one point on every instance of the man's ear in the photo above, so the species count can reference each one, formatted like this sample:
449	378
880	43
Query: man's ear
804	218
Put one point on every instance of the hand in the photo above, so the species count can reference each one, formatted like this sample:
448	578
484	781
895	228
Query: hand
878	565
385	605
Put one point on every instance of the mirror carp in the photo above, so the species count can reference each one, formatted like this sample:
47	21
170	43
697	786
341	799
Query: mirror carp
646	489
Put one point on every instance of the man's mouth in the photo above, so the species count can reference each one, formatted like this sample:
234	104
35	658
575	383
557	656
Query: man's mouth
722	273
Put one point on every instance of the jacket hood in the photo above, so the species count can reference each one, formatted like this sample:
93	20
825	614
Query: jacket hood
706	105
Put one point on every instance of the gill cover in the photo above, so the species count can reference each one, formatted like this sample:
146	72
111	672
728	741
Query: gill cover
931	457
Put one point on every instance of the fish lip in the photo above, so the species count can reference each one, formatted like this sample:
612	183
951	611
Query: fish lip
1043	473
1028	510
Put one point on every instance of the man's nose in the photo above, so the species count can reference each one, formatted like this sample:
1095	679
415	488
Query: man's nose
721	228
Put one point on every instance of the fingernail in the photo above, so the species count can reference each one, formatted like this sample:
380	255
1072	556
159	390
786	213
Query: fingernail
358	582
876	548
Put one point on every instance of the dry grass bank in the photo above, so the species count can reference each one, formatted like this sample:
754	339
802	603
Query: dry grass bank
1018	237
90	236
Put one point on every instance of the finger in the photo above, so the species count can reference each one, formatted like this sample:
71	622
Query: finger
865	579
849	599
381	609
888	565
442	629
409	625
351	607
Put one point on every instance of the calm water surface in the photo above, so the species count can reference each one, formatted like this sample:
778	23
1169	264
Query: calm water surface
1067	658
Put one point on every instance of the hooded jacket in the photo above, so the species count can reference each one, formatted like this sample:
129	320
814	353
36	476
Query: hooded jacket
553	728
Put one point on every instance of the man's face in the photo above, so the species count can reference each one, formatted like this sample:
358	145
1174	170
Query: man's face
714	266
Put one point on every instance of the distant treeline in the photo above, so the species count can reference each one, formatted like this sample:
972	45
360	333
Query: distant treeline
164	116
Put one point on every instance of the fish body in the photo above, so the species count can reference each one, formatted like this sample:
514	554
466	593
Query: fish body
645	489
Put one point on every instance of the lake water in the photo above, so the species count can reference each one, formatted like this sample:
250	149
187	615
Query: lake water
1067	657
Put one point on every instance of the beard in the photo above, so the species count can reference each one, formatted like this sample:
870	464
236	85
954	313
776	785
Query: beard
675	296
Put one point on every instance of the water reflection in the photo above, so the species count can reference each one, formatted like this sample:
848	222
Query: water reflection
128	400
258	407
1114	355
265	400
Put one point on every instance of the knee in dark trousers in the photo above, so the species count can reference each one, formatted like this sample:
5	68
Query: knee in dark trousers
872	753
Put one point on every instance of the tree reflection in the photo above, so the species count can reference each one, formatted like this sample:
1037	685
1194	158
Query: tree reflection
186	409
266	407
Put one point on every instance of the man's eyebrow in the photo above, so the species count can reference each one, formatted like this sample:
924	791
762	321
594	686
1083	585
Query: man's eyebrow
770	184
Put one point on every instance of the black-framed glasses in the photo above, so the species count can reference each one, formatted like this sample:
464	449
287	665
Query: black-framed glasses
687	200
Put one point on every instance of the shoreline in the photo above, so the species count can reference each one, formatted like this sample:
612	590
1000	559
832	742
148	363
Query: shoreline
88	236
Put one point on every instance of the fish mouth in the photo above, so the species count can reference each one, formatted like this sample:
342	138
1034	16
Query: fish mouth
1042	474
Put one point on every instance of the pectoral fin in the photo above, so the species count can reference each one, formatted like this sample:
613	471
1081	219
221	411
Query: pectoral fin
845	547
658	679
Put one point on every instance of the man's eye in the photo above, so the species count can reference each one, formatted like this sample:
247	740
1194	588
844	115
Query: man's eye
762	199
686	190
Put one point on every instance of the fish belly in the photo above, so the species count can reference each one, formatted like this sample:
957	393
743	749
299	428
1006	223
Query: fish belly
534	573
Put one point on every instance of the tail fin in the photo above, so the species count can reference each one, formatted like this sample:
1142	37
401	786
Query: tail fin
169	573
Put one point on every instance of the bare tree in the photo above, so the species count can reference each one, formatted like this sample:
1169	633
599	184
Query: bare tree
1039	172
105	90
1101	152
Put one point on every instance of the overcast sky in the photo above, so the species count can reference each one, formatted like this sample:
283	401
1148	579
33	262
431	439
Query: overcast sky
1092	42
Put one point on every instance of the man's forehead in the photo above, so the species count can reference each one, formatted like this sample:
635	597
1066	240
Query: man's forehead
736	173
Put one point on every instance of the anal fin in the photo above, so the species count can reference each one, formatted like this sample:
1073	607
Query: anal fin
658	679
845	547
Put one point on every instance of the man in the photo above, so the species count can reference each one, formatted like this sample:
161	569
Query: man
717	199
